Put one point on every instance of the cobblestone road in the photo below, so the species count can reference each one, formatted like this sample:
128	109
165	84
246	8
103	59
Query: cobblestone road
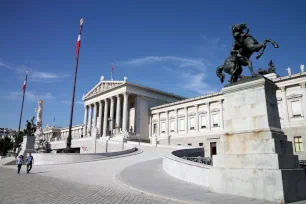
33	188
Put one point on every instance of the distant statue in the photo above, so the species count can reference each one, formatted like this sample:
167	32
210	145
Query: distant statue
39	130
271	69
289	71
302	68
243	48
28	130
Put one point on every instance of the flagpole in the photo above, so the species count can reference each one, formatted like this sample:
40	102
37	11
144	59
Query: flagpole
68	148
23	93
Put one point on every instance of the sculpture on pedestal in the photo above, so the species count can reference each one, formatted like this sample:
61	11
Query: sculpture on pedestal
30	127
39	130
243	48
271	69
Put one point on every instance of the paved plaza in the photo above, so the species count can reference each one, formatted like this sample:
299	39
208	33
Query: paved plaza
141	180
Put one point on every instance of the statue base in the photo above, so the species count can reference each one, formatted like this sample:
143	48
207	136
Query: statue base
254	158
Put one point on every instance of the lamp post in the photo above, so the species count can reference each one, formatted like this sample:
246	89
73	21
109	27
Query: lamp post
68	148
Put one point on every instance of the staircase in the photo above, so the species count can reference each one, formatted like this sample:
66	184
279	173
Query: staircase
7	160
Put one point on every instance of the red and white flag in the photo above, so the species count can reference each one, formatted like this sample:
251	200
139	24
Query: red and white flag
24	86
78	45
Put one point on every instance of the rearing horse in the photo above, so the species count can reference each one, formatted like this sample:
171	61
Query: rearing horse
245	45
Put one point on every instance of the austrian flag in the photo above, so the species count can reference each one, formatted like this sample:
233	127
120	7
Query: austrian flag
24	86
78	45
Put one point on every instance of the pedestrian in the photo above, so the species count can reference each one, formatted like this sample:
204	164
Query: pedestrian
30	161
19	162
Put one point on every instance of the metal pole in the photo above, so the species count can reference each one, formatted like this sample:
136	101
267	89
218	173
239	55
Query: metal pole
68	148
23	101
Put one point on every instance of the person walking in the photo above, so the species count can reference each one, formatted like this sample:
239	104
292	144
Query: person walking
30	162
19	162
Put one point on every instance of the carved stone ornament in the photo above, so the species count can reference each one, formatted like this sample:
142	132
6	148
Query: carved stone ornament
181	116
215	110
202	112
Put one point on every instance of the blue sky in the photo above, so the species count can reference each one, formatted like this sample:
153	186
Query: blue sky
173	46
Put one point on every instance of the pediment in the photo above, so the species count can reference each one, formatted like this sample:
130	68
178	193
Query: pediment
101	87
294	96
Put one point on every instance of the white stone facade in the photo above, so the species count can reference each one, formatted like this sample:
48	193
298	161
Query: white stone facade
199	121
145	114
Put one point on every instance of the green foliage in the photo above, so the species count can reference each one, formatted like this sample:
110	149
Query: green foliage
18	140
5	145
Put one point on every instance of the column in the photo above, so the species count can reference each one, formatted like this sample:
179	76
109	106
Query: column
197	117
285	106
90	119
95	116
100	118
221	114
186	119
150	127
177	121
167	123
125	111
158	124
85	121
105	117
112	115
118	110
304	98
208	116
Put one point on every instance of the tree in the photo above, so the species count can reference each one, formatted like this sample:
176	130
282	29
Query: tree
5	145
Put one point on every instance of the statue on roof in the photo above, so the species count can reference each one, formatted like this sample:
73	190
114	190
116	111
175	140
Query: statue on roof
270	69
243	48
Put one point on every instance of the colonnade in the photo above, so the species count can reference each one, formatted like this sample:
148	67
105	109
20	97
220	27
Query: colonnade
105	110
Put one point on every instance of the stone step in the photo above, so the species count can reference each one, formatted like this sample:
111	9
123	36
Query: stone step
257	161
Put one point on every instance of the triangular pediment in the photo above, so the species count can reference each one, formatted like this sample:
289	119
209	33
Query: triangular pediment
101	87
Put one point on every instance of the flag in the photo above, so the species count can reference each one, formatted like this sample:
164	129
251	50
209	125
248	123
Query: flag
24	86
78	45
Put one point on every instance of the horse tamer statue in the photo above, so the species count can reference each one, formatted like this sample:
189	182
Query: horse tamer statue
243	48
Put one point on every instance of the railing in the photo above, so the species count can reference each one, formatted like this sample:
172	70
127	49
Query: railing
201	160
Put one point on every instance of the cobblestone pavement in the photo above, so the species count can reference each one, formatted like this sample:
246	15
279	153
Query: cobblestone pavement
33	188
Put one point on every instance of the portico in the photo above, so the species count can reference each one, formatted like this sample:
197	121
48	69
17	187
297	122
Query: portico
115	107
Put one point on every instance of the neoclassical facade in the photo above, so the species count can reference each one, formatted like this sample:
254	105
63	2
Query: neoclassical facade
145	114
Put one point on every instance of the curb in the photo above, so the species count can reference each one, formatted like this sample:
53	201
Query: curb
119	181
138	151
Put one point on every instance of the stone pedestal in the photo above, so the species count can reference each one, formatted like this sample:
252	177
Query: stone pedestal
28	145
254	158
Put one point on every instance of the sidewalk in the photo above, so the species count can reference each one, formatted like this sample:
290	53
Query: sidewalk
150	177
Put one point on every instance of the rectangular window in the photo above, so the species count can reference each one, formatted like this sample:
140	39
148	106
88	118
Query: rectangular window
154	128
189	144
215	120
172	126
178	144
203	121
192	123
296	108
182	124
201	144
163	127
298	144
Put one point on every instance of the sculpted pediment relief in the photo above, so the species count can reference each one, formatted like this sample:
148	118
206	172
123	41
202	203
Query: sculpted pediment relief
101	87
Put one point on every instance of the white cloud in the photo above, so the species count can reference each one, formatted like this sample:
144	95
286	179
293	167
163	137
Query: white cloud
67	102
33	75
180	62
31	96
195	82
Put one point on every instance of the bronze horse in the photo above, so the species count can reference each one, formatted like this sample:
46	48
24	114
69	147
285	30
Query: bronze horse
243	48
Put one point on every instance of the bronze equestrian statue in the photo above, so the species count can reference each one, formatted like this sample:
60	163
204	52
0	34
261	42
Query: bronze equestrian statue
243	48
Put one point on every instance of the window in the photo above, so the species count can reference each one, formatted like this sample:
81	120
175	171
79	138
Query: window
298	144
201	144
192	123
178	144
296	108
182	124
203	121
215	120
189	144
154	128
172	126
163	127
